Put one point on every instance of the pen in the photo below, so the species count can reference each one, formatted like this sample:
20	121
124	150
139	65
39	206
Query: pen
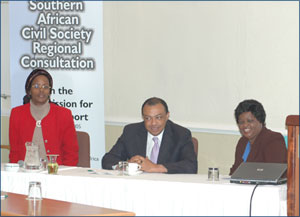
3	196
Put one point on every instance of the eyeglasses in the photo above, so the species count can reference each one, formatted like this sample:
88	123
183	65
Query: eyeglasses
38	86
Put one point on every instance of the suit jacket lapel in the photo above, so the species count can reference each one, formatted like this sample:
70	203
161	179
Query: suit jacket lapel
256	146
165	145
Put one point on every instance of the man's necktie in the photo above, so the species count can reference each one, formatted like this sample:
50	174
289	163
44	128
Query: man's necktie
247	151
155	150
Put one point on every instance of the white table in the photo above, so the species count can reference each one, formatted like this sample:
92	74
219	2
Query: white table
152	194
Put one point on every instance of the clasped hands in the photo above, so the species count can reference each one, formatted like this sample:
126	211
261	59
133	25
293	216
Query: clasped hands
147	165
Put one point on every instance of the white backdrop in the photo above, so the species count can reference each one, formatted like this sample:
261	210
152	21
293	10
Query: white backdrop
79	89
203	58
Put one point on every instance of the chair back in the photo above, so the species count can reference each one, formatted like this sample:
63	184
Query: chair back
195	142
84	149
5	153
5	147
292	123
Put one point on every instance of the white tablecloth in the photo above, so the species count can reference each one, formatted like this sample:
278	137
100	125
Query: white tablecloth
152	194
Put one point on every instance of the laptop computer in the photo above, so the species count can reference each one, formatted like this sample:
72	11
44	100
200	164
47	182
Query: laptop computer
259	173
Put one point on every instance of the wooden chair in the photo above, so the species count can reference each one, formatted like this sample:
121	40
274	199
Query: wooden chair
292	123
5	153
84	149
5	147
195	142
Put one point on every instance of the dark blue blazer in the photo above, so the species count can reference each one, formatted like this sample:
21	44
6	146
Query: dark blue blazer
176	150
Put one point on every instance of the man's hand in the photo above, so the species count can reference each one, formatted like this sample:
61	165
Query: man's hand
136	159
147	165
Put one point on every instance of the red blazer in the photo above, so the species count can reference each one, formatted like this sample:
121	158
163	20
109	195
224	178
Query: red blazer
268	147
58	133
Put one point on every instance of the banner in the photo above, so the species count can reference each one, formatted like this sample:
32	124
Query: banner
66	39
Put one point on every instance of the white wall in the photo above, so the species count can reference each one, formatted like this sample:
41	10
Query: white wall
5	75
203	58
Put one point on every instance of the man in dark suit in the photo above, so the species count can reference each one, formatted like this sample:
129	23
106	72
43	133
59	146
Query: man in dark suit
141	142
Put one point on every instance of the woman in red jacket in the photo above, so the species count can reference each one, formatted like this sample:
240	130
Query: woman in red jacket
42	122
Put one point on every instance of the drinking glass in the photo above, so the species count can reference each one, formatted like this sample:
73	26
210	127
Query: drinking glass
34	208
34	191
213	174
52	164
43	163
122	167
